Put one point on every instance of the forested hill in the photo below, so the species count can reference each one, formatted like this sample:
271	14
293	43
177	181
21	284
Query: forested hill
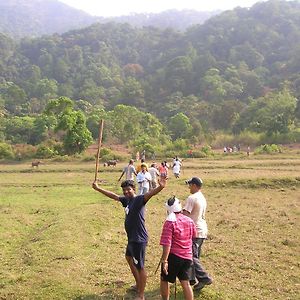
20	18
33	18
211	72
178	20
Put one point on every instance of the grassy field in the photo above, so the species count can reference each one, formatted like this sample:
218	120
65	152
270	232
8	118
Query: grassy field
59	239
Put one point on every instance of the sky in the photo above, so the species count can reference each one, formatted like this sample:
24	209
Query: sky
107	8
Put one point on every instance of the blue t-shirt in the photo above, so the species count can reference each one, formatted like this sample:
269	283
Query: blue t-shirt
135	218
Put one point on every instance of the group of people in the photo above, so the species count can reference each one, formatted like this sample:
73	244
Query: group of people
182	236
147	178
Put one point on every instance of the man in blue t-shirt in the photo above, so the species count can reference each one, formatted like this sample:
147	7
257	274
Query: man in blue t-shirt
135	227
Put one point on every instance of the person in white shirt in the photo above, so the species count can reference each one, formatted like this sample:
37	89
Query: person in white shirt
129	171
195	208
154	175
143	179
176	167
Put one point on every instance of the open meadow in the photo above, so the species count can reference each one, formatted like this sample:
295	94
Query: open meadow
60	239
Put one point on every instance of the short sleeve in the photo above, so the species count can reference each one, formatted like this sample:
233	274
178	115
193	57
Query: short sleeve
189	205
167	233
123	200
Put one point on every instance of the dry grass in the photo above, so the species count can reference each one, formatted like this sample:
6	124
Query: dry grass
59	239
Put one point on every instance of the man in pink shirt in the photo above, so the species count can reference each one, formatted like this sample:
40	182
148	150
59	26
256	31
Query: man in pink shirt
177	258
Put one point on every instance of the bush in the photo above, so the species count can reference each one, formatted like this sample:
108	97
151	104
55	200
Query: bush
6	151
244	138
268	149
63	158
24	151
88	158
197	154
207	150
104	151
282	138
44	152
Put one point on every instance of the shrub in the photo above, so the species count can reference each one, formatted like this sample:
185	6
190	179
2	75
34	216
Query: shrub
104	151
24	151
6	151
44	152
268	149
63	158
88	158
207	150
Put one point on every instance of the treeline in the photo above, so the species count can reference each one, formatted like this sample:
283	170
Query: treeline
238	72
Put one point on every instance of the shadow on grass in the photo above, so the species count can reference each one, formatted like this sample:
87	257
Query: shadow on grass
110	294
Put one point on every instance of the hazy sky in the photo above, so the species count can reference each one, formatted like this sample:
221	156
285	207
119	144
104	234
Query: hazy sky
124	7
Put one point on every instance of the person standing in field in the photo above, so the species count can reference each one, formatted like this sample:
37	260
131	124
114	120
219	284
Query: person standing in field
176	167
143	179
177	258
154	175
135	227
139	167
129	170
195	208
163	170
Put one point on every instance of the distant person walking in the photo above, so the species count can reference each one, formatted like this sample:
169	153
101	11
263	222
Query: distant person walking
248	151
143	179
129	171
176	167
154	176
139	166
163	169
195	208
135	227
177	258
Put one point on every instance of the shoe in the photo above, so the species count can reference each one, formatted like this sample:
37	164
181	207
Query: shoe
201	284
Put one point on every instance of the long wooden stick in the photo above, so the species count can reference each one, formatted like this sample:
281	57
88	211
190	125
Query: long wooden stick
99	147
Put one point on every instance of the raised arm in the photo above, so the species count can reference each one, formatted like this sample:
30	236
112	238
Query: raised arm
151	193
105	192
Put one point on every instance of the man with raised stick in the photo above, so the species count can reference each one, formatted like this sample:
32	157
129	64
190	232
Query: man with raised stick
135	227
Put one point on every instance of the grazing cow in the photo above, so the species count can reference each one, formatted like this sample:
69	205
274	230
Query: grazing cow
35	164
112	163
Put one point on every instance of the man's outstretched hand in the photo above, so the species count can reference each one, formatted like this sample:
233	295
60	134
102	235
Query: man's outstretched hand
163	181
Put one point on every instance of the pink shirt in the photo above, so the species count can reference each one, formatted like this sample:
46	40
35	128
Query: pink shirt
179	236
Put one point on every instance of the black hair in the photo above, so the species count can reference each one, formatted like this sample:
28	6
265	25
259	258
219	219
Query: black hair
171	201
128	183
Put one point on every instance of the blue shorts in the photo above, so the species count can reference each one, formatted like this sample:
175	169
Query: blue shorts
137	251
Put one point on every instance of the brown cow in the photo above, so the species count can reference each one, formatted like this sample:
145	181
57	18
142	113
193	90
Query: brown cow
35	164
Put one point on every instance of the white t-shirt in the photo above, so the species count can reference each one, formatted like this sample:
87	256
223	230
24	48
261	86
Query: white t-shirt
143	179
196	206
154	173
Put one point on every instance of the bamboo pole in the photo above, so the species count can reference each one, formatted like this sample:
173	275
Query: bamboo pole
99	147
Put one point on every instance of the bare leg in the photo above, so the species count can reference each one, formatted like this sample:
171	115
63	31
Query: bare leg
139	276
141	283
165	290
133	269
187	290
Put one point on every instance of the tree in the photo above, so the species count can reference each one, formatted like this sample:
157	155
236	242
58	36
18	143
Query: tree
179	126
274	113
77	137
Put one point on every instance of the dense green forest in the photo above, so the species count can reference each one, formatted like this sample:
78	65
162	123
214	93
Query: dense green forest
238	73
